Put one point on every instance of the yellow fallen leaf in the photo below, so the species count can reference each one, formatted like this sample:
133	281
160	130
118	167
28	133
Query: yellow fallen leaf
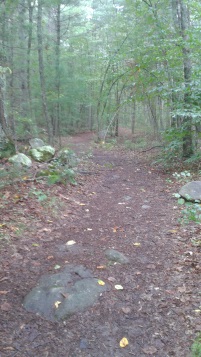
16	197
82	204
137	244
198	311
119	287
101	267
57	303
173	231
123	342
100	282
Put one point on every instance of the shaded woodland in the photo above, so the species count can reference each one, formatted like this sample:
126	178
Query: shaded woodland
70	66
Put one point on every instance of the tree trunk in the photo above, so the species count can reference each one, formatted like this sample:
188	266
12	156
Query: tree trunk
133	120
3	120
30	31
187	120
41	72
57	69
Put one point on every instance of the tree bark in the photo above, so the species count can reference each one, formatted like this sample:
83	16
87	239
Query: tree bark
187	68
42	73
57	68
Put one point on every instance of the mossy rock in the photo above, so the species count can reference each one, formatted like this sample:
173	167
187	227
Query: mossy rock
43	153
21	160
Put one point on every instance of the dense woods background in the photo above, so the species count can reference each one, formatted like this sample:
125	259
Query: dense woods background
67	66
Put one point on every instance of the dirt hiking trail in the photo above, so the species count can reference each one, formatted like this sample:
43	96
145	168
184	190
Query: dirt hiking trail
120	203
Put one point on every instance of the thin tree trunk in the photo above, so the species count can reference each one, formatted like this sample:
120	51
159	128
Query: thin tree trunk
57	68
187	121
133	120
30	31
41	72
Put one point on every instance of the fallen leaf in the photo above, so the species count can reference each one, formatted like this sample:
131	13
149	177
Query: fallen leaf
124	342
70	242
50	257
115	229
57	303
2	225
5	306
138	273
100	282
45	230
82	204
89	229
182	289
101	267
119	287
179	268
172	231
3	292
150	350
35	245
197	310
137	244
57	267
126	310
8	348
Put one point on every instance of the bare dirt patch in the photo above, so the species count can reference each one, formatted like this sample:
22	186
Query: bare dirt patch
120	203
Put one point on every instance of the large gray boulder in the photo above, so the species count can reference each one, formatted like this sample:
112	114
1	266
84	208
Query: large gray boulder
58	296
191	191
43	153
36	143
20	160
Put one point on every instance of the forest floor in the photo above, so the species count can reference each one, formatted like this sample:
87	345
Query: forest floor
120	202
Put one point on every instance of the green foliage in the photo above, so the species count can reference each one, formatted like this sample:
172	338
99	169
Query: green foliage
191	213
139	143
171	154
7	149
41	196
183	176
62	176
196	347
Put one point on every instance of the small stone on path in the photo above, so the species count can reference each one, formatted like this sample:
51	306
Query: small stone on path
116	256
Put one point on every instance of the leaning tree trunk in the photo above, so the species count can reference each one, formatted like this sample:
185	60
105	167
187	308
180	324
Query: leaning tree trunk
41	72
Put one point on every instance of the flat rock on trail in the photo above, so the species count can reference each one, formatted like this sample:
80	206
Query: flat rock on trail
123	206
